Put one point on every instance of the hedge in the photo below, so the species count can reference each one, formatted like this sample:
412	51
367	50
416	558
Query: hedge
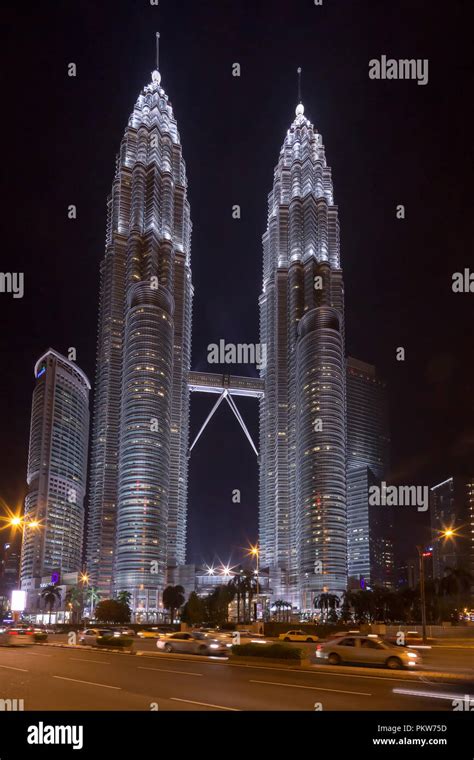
273	651
114	641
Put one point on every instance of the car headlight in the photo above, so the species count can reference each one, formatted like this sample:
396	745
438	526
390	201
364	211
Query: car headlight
213	646
412	654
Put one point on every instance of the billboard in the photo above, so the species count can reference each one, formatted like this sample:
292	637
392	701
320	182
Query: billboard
18	601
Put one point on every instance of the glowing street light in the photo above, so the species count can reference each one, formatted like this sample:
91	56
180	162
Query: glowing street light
448	533
254	551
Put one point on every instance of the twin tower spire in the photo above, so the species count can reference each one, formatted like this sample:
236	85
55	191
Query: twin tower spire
140	438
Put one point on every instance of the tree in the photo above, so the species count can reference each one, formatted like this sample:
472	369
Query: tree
248	589
278	605
173	599
74	599
112	611
457	583
194	611
124	597
51	594
327	601
237	584
217	605
92	596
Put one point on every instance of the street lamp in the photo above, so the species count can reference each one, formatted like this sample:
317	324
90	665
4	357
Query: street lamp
254	551
449	533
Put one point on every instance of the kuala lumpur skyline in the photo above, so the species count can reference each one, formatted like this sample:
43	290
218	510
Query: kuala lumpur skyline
361	353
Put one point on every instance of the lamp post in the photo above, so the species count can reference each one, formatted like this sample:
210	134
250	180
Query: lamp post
449	533
255	552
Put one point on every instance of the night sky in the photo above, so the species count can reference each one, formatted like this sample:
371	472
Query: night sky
388	143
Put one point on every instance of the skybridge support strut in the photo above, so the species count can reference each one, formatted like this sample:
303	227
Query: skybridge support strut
227	396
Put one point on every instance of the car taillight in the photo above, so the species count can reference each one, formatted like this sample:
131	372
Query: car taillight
13	633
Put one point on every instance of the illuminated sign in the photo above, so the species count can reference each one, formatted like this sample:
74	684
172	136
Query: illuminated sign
55	577
41	371
18	601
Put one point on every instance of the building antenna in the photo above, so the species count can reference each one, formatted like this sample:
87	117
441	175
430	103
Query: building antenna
298	70
158	51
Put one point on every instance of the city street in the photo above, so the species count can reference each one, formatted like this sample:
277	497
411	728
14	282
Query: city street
76	678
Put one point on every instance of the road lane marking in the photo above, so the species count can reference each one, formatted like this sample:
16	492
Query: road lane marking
38	654
205	704
313	688
82	659
90	683
432	694
165	670
9	667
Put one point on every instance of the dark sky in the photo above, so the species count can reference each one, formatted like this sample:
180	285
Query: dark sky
388	142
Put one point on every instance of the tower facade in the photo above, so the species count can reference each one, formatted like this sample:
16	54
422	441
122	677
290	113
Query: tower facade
369	528
302	414
57	469
138	486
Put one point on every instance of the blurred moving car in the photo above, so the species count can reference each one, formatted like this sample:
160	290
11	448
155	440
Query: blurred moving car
155	632
89	636
15	637
296	635
123	632
369	650
192	643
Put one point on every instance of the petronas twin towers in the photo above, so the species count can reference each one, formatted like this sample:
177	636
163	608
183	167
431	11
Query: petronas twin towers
140	442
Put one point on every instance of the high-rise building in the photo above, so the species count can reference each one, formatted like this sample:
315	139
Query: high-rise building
138	484
57	469
10	552
302	414
369	528
451	509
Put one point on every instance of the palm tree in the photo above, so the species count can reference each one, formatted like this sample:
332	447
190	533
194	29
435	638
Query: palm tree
173	599
92	596
124	597
51	594
74	599
279	604
248	586
236	585
326	601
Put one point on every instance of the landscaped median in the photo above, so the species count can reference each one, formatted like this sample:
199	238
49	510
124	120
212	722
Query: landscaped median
115	642
279	654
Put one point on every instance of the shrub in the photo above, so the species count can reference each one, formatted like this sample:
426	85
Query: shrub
40	636
114	641
273	651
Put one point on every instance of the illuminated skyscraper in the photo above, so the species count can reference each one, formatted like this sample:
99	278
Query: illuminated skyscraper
57	469
138	489
369	528
302	415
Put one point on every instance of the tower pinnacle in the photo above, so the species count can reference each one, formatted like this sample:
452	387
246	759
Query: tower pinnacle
300	107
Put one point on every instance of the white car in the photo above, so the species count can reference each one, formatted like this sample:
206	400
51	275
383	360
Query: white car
15	637
296	635
89	636
192	643
367	650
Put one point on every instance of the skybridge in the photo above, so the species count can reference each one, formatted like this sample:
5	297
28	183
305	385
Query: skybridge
227	386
